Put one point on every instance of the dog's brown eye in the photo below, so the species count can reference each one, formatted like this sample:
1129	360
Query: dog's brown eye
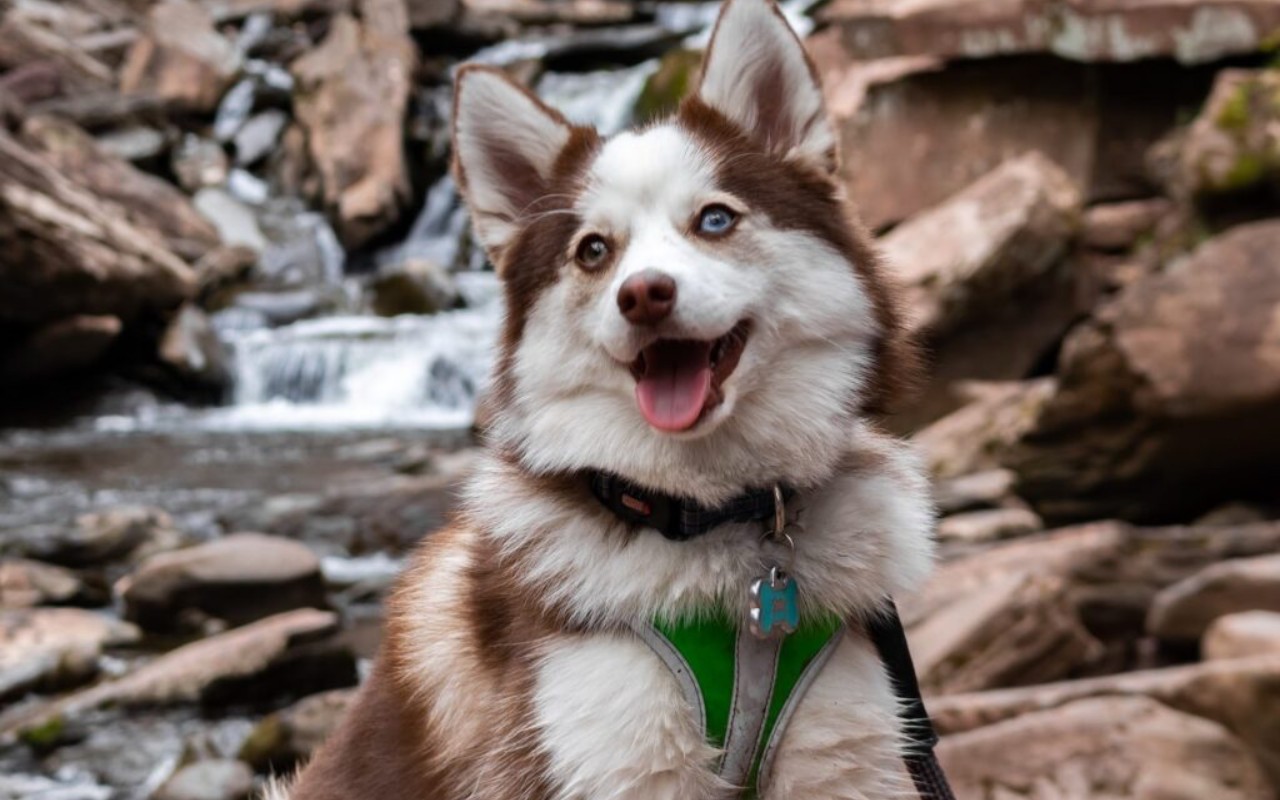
592	251
716	220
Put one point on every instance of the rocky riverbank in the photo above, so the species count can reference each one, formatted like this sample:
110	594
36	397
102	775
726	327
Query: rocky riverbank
243	204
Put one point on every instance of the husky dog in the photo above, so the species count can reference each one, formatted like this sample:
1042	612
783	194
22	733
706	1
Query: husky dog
692	310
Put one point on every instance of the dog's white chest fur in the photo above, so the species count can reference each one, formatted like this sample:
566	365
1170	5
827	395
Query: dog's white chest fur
615	725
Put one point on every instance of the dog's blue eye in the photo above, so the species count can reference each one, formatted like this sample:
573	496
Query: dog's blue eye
716	220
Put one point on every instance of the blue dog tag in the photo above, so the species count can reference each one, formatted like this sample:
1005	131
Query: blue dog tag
775	610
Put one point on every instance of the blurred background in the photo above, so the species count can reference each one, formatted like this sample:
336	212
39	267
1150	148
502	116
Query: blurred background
243	326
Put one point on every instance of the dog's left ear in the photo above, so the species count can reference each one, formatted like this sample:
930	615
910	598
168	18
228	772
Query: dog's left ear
757	74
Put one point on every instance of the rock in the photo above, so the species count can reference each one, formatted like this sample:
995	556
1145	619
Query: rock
134	144
191	350
1168	400
289	655
290	736
975	437
199	163
1234	144
417	287
987	489
989	525
24	40
1184	611
124	532
1112	574
65	252
1242	635
1238	694
984	245
353	92
1126	748
31	83
182	58
214	779
147	200
1015	629
259	136
987	287
1120	226
58	348
47	649
238	579
1082	30
236	224
25	583
427	14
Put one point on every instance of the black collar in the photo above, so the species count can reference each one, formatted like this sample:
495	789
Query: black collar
677	518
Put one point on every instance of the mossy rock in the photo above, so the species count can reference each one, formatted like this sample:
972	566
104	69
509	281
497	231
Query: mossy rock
664	90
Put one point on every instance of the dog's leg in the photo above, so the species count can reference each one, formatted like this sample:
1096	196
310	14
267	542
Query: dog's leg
844	741
616	726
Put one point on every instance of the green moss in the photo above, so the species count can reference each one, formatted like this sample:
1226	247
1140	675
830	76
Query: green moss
1234	114
45	736
664	89
264	743
1249	170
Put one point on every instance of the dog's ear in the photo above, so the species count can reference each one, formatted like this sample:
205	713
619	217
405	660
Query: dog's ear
757	74
505	144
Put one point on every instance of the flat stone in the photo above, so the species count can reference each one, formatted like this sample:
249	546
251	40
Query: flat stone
236	224
989	525
1243	634
237	579
976	437
1119	226
213	779
990	488
1183	611
25	584
260	136
290	736
46	649
1190	31
1119	748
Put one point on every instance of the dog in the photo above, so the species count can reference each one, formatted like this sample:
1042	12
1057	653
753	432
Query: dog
693	316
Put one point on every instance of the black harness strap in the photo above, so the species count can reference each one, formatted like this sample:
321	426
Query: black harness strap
891	641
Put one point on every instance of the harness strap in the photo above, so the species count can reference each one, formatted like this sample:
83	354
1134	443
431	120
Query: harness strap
922	762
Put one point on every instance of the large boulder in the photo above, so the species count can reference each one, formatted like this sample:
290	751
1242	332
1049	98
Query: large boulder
64	251
146	200
1234	144
1129	748
56	348
181	58
1168	400
46	649
1239	694
1083	30
1185	610
236	579
352	94
987	285
1243	634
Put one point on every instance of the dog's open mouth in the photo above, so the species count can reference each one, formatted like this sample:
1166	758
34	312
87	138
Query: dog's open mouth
678	381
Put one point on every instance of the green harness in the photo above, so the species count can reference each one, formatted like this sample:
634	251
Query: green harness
743	688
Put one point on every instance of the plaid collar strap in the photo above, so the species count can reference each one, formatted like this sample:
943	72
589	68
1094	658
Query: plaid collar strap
677	518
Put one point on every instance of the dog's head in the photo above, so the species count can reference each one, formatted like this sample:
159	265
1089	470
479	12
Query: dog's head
689	304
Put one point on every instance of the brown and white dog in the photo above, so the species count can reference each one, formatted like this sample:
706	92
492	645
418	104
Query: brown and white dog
690	307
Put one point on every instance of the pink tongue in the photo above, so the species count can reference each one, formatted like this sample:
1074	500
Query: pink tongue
675	385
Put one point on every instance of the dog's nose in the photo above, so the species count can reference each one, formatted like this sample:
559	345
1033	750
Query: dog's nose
647	297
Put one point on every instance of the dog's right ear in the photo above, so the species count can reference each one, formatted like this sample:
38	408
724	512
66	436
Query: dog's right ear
505	144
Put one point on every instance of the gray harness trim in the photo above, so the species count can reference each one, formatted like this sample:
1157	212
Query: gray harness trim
789	707
680	668
754	673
